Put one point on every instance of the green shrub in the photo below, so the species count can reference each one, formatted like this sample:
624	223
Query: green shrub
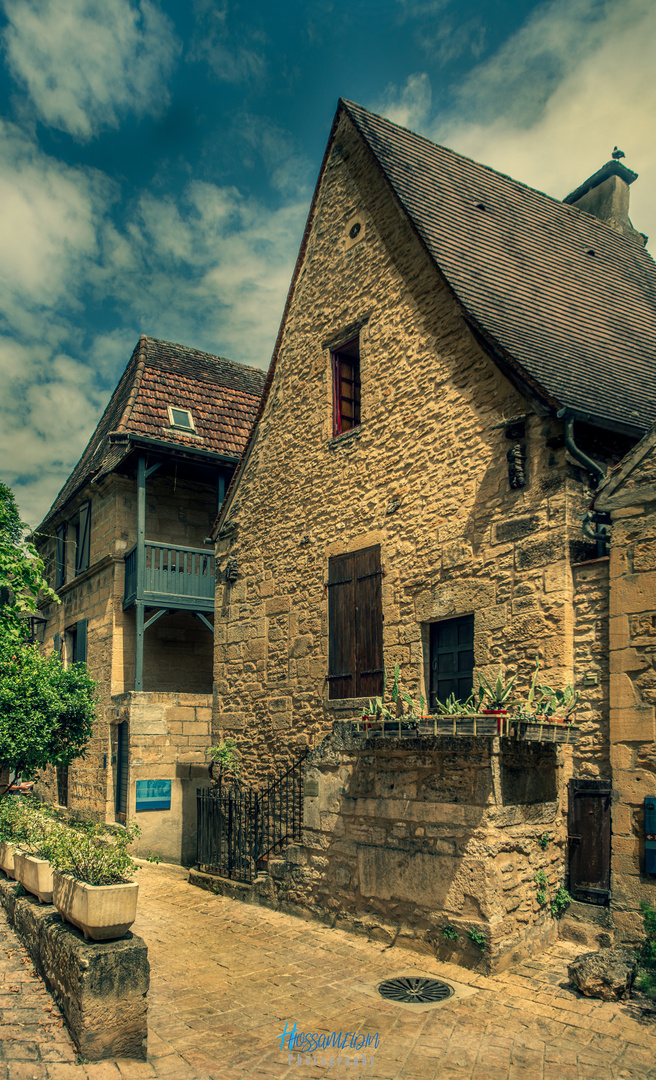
541	879
94	854
560	903
477	938
226	755
449	933
544	840
542	896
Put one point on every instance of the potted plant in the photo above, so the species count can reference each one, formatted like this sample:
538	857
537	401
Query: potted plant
379	719
31	863
13	830
456	717
91	879
547	717
495	700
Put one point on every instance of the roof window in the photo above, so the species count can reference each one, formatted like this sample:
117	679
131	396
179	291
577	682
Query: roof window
181	419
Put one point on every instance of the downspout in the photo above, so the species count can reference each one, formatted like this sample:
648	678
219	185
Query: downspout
601	536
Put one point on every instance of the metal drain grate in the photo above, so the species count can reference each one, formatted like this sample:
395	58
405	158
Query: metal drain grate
415	991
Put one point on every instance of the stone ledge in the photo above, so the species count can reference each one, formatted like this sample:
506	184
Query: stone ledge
100	987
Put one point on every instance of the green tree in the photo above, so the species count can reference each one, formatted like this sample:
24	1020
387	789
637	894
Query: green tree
46	710
21	573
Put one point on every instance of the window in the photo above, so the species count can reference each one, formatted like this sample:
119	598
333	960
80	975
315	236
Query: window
355	625
82	526
76	643
451	659
180	418
346	387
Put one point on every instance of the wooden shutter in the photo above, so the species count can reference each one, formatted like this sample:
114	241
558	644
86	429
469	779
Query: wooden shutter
452	659
80	648
368	623
57	644
83	539
341	627
60	556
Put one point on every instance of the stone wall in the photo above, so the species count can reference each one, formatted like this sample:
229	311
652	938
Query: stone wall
168	736
404	842
591	667
425	477
632	701
101	987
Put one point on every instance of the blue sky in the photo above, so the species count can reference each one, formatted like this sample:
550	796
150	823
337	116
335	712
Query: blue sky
157	159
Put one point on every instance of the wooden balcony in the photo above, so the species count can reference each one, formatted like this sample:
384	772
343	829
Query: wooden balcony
173	577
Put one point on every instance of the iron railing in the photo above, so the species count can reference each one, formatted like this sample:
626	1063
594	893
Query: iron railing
239	827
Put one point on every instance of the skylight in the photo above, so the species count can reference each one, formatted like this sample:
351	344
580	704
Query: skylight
180	418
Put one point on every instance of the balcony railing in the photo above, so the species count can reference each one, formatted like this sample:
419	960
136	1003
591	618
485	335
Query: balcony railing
178	577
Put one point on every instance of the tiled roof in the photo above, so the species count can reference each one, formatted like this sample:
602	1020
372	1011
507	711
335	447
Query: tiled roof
221	395
572	302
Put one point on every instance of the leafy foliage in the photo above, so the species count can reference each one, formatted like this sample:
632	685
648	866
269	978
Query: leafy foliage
477	938
381	711
226	755
449	933
544	840
496	697
560	903
540	879
46	710
646	975
92	853
21	573
541	895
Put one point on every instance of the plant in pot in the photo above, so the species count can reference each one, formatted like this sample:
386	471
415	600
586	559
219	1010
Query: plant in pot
547	714
13	830
464	717
31	859
92	872
379	718
495	700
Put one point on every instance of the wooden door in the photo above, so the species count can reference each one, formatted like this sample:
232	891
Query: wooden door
452	659
122	760
588	827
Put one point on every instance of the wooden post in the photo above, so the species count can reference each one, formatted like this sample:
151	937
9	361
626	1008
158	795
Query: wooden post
141	571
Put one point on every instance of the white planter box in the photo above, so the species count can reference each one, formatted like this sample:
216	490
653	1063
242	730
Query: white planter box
7	852
34	875
101	912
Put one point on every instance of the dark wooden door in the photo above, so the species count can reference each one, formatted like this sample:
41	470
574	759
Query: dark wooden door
452	659
122	759
355	624
588	826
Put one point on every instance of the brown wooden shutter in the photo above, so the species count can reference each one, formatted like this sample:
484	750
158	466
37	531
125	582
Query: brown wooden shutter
60	556
341	627
368	623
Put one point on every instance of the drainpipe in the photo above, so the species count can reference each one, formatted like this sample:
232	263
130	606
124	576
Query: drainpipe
601	535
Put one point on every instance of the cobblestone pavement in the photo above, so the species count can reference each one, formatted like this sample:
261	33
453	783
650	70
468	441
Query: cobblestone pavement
227	978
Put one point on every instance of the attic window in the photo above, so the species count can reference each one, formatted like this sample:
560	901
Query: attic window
180	418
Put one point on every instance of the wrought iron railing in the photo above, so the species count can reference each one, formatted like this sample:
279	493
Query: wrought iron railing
171	571
239	827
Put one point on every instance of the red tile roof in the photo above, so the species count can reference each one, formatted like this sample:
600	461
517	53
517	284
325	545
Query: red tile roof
221	395
572	302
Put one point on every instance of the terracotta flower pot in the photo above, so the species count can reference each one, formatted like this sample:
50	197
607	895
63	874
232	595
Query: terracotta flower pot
101	912
501	715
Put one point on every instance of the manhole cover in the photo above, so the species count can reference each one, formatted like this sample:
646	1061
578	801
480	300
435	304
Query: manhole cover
415	991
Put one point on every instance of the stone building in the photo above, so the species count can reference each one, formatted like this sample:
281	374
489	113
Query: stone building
461	359
126	547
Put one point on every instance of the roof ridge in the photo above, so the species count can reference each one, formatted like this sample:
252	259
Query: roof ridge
238	364
353	105
140	350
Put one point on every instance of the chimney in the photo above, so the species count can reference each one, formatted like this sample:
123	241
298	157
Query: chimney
606	196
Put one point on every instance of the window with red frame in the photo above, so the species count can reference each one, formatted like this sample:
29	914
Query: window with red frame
346	387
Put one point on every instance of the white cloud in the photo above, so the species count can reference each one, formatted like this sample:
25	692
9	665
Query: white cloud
550	105
232	47
410	105
85	64
48	224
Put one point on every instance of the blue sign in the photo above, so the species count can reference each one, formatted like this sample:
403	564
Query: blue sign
153	794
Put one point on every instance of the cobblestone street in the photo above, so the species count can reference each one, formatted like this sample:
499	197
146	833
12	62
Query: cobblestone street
226	978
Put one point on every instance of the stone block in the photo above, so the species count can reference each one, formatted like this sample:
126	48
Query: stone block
539	553
180	714
147	720
196	727
618	632
492	618
277	605
632	786
644	555
622	692
101	987
627	660
632	724
558	578
633	593
454	598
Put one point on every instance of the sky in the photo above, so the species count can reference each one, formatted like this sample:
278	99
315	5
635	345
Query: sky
158	157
